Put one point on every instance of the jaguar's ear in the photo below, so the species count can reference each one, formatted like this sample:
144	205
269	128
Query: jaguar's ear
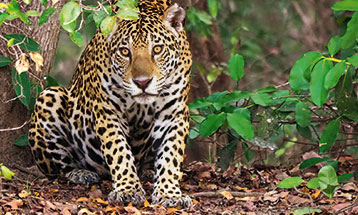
173	18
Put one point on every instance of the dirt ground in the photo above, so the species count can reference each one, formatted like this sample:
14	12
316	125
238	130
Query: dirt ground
238	190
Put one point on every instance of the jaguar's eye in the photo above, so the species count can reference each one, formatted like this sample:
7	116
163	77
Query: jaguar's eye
157	49
124	52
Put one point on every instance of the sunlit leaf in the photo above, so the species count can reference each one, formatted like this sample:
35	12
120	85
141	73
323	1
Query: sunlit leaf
334	74
241	125
3	17
290	182
328	180
236	67
107	25
32	13
69	12
346	5
8	174
313	183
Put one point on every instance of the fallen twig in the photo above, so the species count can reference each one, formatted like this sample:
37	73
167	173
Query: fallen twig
346	208
215	194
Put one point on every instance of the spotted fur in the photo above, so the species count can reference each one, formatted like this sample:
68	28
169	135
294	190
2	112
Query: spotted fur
125	113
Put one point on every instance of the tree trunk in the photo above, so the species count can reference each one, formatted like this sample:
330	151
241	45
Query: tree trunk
13	113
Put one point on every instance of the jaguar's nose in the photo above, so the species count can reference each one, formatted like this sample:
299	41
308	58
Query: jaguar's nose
142	82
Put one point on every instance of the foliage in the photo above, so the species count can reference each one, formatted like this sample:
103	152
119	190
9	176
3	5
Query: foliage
322	94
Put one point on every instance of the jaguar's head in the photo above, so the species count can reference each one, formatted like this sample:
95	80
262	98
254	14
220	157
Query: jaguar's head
146	52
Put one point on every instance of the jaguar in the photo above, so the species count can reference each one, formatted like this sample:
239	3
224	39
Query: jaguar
124	115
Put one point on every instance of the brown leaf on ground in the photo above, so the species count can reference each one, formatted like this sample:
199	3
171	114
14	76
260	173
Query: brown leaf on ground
227	194
15	204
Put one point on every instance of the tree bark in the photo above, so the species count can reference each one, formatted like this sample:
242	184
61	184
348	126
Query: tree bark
13	113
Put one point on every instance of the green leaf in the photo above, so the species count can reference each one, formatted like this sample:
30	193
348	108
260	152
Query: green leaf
44	2
297	78
345	177
98	17
306	210
262	99
23	87
199	103
277	97
107	25
241	125
46	14
227	155
313	183
328	180
353	60
24	42
22	141
3	17
127	3
334	74
32	13
70	27
346	97
248	153
51	82
290	182
216	97
128	13
236	67
318	92
350	5
8	174
235	96
27	1
211	124
351	34
69	12
312	161
304	132
303	114
214	6
334	45
193	133
329	135
4	61
204	17
77	38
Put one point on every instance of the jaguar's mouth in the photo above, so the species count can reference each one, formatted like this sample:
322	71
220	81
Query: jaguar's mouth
145	98
143	95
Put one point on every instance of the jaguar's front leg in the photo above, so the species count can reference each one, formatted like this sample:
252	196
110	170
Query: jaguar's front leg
121	163
169	143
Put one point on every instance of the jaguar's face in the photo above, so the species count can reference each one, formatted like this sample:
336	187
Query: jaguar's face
144	53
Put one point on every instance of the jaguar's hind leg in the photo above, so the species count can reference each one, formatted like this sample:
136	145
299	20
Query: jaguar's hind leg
50	139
